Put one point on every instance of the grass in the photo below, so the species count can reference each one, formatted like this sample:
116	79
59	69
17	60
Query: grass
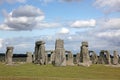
49	72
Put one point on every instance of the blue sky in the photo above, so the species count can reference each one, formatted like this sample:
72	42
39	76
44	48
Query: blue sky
22	22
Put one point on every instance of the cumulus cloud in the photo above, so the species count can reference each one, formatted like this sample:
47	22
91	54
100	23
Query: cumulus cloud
5	27
28	11
23	45
108	6
64	31
46	1
19	43
59	1
106	34
69	0
1	43
12	1
111	37
25	18
84	23
109	34
110	24
47	25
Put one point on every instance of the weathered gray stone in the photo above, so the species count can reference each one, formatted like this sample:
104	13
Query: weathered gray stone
40	55
8	56
29	57
33	59
85	44
60	58
77	58
104	57
94	57
70	59
108	59
101	57
46	58
115	58
84	55
49	56
52	57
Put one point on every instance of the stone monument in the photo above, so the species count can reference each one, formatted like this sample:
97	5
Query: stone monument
77	58
115	58
60	58
70	59
8	56
52	57
40	54
108	58
94	57
101	57
29	57
104	57
84	55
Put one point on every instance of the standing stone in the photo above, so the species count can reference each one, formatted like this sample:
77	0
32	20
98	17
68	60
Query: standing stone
115	58
94	57
52	57
46	58
77	58
33	59
108	59
84	55
8	56
29	57
101	57
60	58
70	59
104	57
40	55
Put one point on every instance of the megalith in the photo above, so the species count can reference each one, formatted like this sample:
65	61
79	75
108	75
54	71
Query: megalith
33	58
29	57
104	57
108	58
52	57
101	57
70	59
77	58
94	57
40	54
46	58
115	58
84	55
60	58
9	55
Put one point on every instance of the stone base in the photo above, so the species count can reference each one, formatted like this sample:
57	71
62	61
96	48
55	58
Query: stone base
70	63
87	64
118	65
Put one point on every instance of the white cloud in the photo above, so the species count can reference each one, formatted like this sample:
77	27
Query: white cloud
59	1
1	43
12	1
112	23
109	34
28	11
5	27
23	45
46	1
26	18
69	0
23	18
64	31
47	25
108	6
83	23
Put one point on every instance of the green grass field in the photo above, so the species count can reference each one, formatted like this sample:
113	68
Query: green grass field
49	72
